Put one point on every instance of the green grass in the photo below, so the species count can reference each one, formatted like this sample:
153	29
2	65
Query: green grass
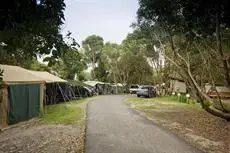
151	100
65	113
146	107
182	101
226	105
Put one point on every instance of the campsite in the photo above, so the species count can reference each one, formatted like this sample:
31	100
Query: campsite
99	76
26	93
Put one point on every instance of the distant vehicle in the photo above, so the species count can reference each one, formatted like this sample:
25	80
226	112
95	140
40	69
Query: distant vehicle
146	91
133	89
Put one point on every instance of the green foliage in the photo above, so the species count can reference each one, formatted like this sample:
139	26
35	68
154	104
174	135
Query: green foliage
17	58
86	75
60	69
66	113
81	77
37	66
70	63
203	21
163	12
134	61
193	30
141	72
28	28
100	72
110	56
126	63
195	19
131	43
74	62
143	39
93	46
111	52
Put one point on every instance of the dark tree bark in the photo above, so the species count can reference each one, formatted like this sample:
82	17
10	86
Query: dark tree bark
219	45
202	97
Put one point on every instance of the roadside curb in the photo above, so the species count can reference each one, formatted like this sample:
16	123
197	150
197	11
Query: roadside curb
21	124
86	122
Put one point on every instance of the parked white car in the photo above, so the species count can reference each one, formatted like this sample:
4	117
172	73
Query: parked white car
146	91
133	89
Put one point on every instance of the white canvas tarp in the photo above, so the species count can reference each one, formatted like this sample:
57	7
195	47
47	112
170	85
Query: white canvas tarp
13	74
47	77
93	83
18	74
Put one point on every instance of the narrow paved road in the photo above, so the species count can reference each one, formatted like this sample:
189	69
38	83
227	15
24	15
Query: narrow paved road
112	127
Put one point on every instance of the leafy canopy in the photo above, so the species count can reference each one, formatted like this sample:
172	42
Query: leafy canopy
30	27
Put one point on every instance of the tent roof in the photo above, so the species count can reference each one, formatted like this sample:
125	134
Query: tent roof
18	74
118	84
47	77
93	83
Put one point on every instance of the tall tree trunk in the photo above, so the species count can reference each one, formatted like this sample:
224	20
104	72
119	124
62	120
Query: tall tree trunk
219	45
115	81
93	71
200	95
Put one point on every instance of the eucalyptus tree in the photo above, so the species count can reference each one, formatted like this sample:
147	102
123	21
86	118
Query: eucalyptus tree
93	46
111	55
186	23
70	63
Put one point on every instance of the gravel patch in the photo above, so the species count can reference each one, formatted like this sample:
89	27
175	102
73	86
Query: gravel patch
42	138
34	137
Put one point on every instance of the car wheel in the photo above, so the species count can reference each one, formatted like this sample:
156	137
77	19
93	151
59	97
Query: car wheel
138	96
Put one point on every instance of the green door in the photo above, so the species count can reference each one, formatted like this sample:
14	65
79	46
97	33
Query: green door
24	102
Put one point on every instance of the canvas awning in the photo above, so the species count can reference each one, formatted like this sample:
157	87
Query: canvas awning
93	83
118	85
16	74
47	77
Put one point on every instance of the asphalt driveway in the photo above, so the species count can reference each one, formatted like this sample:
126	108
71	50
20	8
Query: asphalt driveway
112	127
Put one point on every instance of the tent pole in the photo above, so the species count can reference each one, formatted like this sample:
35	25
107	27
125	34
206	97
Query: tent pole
63	95
42	98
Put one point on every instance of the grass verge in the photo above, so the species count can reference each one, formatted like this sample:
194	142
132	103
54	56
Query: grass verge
65	113
187	120
164	100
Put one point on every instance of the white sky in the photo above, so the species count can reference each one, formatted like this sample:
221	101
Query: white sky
110	19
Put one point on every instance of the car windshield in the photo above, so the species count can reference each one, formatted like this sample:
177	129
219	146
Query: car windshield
134	86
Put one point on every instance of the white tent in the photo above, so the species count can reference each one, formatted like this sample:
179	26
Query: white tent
47	77
13	74
93	83
18	74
